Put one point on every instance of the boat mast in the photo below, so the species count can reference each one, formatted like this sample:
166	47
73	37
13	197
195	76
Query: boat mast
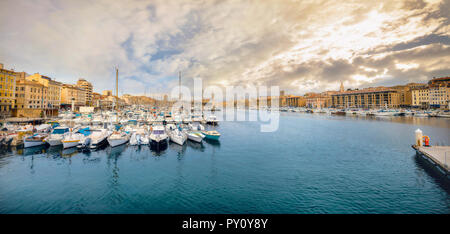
117	81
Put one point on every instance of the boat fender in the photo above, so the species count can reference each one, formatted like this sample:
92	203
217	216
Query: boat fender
426	141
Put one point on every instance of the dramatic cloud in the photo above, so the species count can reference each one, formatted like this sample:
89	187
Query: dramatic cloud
302	46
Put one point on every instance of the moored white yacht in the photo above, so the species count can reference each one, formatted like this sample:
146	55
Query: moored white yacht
34	140
158	136
98	137
55	138
118	138
212	119
178	136
72	139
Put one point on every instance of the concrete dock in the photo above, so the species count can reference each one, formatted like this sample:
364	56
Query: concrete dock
438	156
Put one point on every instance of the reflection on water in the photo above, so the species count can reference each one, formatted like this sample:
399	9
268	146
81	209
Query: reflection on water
196	146
69	152
424	121
312	164
214	143
115	151
180	149
158	150
32	150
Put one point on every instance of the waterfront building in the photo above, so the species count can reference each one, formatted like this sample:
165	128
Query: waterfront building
318	100
52	103
104	103
282	99
435	95
138	100
107	92
295	101
72	94
87	86
96	99
378	97
31	97
7	90
438	92
405	93
420	96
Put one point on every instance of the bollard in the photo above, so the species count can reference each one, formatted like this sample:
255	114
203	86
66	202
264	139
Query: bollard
419	137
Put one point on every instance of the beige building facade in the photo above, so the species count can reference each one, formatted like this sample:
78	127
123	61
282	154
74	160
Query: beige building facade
30	99
7	90
379	97
87	86
73	94
53	99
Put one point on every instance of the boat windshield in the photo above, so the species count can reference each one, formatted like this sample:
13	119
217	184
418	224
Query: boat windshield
60	131
158	132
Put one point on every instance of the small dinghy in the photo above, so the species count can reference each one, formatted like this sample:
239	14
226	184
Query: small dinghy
211	135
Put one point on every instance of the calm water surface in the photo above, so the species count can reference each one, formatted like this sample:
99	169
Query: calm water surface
313	164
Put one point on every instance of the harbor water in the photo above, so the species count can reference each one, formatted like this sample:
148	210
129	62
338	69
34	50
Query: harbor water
314	163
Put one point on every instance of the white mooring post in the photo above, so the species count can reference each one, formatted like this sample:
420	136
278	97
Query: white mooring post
419	137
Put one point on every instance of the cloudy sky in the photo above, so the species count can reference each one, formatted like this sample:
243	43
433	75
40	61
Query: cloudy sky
301	46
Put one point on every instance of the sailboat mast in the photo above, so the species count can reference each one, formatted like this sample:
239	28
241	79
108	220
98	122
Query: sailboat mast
117	81
179	85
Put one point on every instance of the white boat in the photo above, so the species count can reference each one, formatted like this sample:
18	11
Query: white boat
158	136
443	115
55	138
385	113
144	140
197	118
212	119
177	118
196	127
134	139
187	119
421	114
98	137
118	138
43	128
361	113
72	140
170	127
195	136
84	143
34	140
178	136
26	128
140	137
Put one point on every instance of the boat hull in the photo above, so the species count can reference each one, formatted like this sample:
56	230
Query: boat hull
54	142
70	144
195	138
212	137
158	144
28	144
97	143
117	142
